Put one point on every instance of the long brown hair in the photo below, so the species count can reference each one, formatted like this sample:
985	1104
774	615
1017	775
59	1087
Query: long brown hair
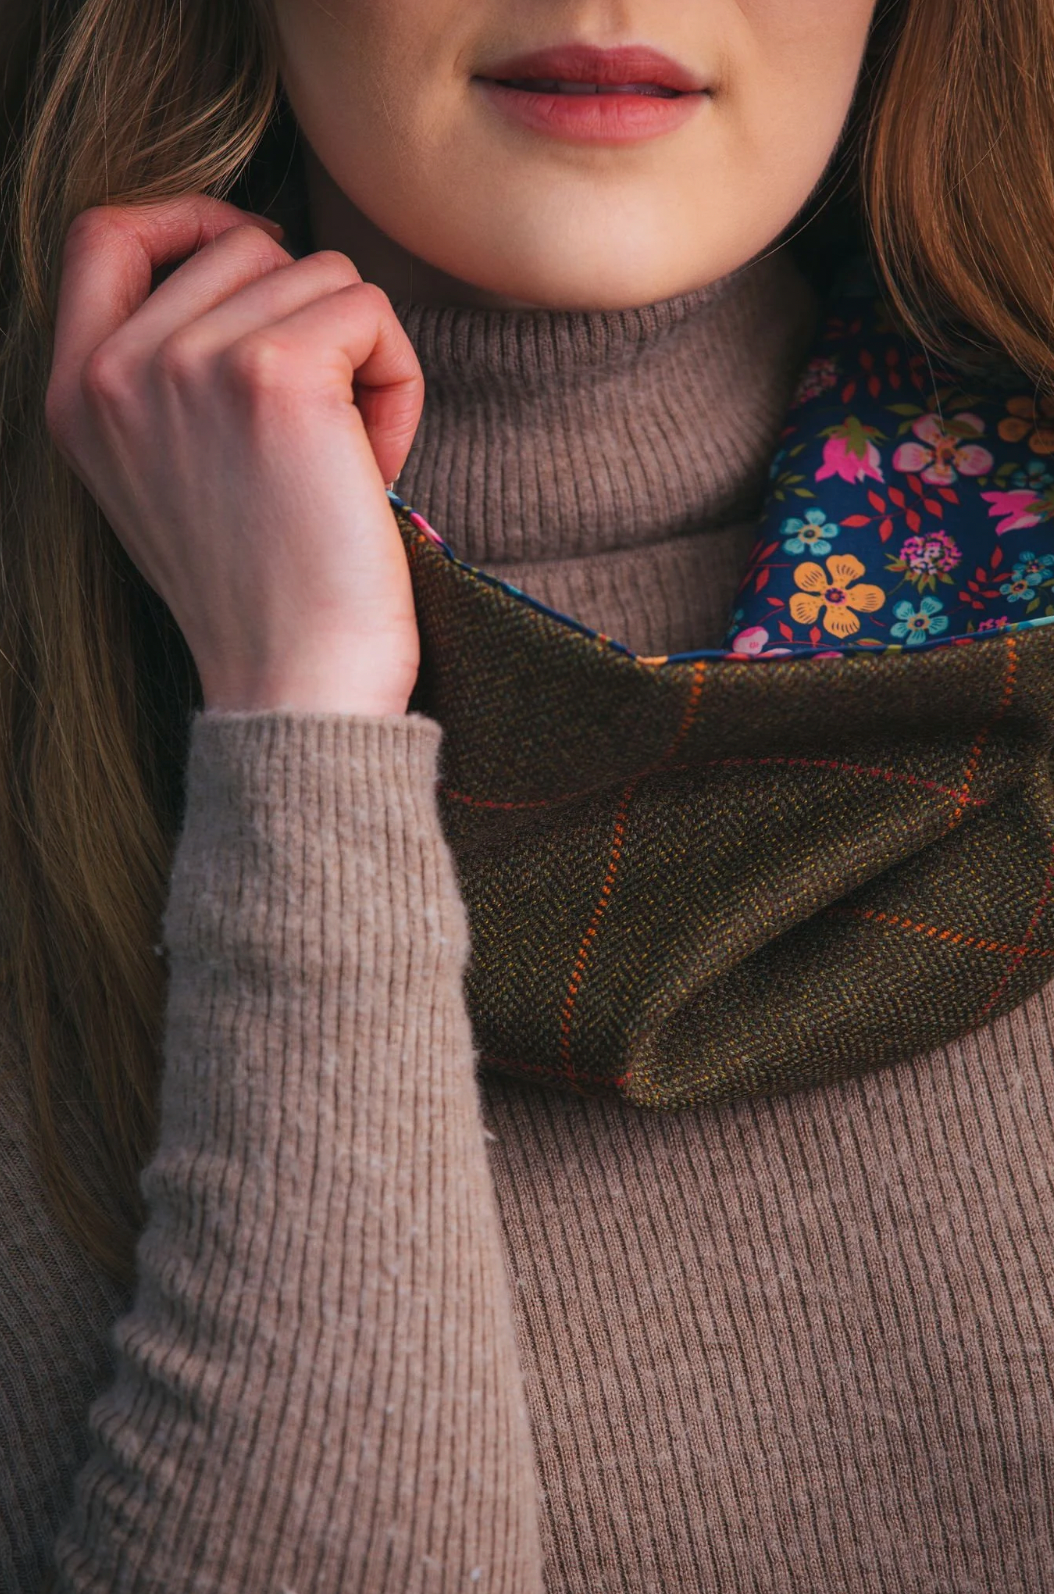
131	100
122	100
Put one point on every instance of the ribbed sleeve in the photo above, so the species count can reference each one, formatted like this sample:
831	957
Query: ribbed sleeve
318	1386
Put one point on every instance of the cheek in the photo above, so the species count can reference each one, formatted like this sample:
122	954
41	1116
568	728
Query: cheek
348	65
829	26
810	49
793	82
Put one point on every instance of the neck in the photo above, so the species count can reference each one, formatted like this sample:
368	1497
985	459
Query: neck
611	463
550	434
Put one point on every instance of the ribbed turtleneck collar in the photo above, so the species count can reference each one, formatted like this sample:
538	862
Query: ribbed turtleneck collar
554	435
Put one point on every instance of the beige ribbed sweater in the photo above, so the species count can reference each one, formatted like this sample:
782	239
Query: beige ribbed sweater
404	1327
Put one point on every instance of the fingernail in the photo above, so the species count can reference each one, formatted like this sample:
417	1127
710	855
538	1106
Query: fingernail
265	221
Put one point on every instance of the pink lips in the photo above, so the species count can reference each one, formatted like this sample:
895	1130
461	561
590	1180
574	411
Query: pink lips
590	95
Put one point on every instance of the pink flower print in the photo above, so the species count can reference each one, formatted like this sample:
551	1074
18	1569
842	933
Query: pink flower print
1018	509
850	453
944	452
996	623
933	552
753	643
819	375
1024	501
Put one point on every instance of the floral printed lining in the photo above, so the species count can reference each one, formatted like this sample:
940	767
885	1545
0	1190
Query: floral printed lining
906	510
927	500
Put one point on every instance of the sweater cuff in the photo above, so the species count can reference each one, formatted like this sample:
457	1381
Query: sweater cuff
287	802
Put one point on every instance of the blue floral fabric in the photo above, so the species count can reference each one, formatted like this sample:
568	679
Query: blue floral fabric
909	506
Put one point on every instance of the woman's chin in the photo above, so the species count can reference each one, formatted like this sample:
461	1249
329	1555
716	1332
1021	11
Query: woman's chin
591	282
618	259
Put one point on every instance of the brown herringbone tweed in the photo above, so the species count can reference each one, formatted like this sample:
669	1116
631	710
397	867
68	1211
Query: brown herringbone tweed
688	882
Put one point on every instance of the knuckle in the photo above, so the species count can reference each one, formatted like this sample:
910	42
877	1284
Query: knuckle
257	366
372	299
92	227
177	361
104	380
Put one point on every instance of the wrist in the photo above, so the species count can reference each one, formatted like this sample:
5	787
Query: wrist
371	687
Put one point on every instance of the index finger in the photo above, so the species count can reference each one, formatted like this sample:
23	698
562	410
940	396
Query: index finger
110	258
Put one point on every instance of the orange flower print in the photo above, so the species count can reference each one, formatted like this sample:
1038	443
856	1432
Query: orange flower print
834	593
1029	415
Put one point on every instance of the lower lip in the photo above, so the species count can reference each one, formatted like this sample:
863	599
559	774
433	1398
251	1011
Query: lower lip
593	118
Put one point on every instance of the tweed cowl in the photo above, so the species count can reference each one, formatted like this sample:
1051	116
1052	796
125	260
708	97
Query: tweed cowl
746	871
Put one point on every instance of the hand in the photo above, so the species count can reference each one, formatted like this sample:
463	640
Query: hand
237	427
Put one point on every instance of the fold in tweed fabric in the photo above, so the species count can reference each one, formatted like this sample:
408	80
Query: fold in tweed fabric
688	882
694	879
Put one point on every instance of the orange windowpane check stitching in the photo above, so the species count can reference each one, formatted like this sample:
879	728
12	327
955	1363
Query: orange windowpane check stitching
691	709
834	765
695	694
1023	951
978	943
551	1073
578	972
977	751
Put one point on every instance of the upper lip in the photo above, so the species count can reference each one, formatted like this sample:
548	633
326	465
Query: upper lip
587	63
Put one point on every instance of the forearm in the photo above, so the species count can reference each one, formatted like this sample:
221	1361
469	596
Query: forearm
319	1387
